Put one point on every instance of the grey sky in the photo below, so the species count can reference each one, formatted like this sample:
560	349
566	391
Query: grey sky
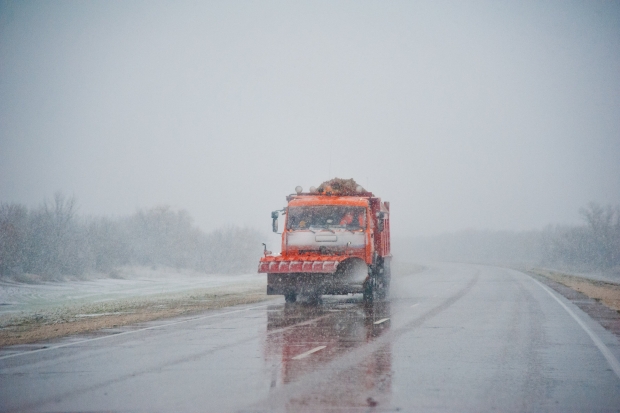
498	115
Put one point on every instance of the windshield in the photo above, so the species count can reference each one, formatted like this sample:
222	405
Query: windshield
326	216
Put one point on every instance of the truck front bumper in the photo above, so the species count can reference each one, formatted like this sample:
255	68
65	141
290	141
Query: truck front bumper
309	283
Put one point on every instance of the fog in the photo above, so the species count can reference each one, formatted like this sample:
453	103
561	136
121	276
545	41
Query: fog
484	115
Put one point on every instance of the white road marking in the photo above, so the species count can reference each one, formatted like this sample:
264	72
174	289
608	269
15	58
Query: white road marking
415	305
383	320
307	353
128	332
611	359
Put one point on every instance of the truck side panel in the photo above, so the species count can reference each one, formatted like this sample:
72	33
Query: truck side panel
381	239
383	248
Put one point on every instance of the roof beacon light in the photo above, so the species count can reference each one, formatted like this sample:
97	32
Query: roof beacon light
298	189
359	189
313	190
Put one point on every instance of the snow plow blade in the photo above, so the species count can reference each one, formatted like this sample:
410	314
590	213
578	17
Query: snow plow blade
312	265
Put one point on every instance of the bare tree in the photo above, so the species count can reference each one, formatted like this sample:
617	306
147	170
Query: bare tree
56	240
13	232
603	245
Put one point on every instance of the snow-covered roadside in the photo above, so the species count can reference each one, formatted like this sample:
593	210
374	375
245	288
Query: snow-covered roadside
134	282
35	312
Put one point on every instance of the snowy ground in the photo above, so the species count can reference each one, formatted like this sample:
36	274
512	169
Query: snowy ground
134	282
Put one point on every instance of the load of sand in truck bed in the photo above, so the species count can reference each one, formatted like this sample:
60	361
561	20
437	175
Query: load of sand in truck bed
340	186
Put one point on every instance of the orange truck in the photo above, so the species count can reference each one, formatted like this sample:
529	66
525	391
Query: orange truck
336	240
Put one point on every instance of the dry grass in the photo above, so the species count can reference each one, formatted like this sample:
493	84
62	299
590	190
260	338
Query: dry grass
606	293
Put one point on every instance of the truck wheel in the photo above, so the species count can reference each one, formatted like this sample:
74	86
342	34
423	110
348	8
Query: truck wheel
382	280
290	297
387	277
382	287
367	295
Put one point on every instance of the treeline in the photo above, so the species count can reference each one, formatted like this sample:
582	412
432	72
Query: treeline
593	246
53	241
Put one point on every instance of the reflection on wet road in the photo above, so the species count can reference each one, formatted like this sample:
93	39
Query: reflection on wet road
354	367
452	338
326	332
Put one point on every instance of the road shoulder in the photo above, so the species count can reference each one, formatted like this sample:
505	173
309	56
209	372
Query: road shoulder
599	299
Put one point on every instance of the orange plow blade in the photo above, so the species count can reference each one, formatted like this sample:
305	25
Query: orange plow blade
277	265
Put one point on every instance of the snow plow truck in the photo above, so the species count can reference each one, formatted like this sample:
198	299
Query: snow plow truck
335	240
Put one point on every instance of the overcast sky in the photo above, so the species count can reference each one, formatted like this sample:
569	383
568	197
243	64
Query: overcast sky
486	115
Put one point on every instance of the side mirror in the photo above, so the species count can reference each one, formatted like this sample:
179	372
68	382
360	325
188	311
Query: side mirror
274	224
265	252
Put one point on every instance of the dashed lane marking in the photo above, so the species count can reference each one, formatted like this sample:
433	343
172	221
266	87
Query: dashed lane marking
307	353
383	320
415	305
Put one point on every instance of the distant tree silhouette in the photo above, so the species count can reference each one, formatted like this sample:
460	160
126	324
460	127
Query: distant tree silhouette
52	241
602	245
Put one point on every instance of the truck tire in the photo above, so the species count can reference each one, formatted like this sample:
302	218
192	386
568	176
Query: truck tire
387	276
383	280
290	297
376	286
369	290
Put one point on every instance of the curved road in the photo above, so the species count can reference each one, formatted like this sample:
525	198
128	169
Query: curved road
453	338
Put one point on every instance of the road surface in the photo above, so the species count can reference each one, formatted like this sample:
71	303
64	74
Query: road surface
454	337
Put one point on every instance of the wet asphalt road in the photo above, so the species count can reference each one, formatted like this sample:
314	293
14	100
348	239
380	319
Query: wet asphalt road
452	338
